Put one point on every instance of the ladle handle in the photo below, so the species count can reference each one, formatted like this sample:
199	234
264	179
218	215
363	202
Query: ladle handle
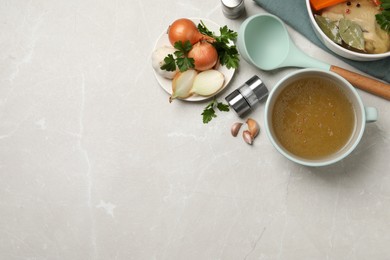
371	85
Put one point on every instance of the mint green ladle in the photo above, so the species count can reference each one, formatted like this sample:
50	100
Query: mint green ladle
264	42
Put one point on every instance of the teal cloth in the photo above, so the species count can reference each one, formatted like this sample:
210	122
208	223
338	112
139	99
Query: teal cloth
294	13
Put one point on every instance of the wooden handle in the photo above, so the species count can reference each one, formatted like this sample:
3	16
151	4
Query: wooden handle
371	85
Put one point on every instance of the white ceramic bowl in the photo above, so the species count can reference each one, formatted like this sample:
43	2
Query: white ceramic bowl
337	48
363	115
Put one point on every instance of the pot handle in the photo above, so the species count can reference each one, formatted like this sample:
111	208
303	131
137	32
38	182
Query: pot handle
368	84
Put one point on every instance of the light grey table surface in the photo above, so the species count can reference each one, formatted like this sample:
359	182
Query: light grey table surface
96	164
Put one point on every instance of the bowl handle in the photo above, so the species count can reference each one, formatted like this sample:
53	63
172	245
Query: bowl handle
371	114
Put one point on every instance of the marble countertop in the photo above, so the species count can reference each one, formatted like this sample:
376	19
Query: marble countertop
95	163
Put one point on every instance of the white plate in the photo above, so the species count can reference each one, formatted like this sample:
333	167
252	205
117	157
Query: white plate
166	84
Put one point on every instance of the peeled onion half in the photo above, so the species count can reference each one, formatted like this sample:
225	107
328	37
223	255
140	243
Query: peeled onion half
182	84
208	82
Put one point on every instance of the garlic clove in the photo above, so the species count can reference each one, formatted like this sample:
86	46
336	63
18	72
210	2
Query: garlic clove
235	128
158	57
247	137
253	127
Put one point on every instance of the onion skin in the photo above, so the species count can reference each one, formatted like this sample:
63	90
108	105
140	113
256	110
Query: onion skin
183	29
204	54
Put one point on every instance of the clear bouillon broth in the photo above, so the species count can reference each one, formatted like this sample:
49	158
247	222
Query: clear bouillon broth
313	118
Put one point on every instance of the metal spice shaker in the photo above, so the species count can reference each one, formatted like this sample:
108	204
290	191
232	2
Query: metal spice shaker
232	9
243	99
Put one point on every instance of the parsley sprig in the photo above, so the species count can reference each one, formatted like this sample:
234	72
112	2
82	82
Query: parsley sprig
181	61
209	111
383	19
227	53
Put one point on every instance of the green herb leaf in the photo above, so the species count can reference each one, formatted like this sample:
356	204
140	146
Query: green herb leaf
182	48
169	63
182	61
208	114
185	63
227	34
209	111
227	52
329	28
383	19
223	107
204	30
385	5
351	33
228	56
